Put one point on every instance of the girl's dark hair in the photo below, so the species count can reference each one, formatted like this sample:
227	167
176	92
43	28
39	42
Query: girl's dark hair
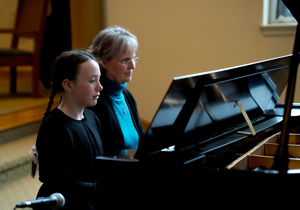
66	66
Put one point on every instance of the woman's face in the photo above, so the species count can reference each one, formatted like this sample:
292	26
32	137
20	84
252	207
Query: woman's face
116	71
86	87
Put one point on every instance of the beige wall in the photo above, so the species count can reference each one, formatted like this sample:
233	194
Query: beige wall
176	37
179	37
86	21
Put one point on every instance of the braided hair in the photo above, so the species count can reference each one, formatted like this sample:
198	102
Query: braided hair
65	66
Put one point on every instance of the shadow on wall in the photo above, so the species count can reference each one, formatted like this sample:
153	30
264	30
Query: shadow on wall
57	37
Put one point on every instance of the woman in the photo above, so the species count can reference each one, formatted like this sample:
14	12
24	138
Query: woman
69	137
115	49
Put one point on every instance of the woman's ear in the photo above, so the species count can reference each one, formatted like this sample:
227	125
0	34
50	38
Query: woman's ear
103	63
67	85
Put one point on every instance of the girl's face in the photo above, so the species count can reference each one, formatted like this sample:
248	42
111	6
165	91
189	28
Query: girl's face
86	88
120	68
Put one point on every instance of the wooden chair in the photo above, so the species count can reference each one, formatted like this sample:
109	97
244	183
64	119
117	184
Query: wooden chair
30	23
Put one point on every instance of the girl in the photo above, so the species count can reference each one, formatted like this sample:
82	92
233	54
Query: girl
69	137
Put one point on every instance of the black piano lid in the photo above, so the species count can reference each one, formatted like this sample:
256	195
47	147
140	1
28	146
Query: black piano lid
198	107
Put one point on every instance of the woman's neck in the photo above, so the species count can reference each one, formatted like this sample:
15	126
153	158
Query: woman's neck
111	86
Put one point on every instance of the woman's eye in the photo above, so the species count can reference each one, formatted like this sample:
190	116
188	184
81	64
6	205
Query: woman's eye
126	61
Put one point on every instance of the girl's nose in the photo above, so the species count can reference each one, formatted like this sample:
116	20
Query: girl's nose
99	87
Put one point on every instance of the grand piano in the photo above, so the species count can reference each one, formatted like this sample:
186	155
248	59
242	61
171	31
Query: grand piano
201	122
208	131
214	132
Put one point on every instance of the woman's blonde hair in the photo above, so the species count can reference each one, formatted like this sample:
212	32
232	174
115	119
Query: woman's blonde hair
112	41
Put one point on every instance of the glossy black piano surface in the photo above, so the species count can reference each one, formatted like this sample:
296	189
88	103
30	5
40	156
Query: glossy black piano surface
193	136
198	120
198	114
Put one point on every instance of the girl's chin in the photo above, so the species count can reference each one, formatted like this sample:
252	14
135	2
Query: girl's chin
93	103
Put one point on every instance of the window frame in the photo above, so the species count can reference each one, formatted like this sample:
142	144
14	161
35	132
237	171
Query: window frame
268	28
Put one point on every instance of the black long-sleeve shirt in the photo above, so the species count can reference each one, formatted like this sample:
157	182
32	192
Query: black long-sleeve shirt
66	151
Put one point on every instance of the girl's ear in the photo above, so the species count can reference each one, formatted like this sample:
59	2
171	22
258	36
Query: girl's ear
67	85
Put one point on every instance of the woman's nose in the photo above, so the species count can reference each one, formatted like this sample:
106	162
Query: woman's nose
131	65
